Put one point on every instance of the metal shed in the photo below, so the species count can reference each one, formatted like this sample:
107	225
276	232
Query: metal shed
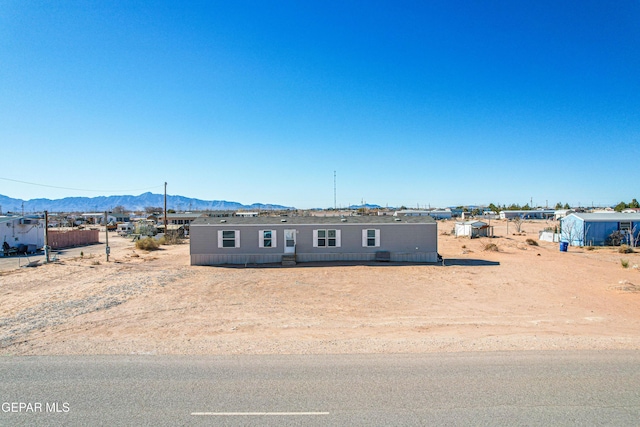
473	229
595	229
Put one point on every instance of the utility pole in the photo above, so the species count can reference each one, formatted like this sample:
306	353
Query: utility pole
106	233
334	191
46	236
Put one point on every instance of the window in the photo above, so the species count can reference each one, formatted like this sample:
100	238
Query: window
326	238
371	238
228	238
267	238
625	226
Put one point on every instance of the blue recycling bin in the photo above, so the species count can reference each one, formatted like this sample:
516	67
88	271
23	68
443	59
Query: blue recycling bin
564	246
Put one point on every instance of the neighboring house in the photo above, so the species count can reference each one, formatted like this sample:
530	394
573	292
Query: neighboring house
529	214
412	212
119	217
112	218
456	212
490	215
180	218
247	214
562	213
216	241
440	214
21	233
595	229
433	213
473	229
94	217
178	222
219	214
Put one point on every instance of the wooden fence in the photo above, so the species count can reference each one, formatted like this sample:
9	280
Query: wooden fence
67	239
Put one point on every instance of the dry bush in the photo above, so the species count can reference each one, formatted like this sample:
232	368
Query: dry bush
491	247
531	242
148	244
625	249
590	248
172	239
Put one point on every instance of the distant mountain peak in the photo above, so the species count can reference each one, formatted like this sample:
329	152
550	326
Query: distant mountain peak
130	203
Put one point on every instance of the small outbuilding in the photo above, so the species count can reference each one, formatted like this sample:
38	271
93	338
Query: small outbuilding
473	229
258	240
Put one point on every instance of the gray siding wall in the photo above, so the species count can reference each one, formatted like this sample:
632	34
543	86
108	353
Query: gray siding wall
405	242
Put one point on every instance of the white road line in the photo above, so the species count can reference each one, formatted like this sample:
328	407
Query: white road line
236	414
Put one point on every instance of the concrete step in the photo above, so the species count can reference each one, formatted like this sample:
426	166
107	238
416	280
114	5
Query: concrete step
288	260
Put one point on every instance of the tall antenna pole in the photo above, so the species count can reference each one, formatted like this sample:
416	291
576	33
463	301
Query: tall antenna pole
106	234
165	210
335	206
46	236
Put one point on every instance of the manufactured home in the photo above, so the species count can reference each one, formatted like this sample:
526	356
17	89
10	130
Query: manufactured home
235	240
433	213
596	229
529	214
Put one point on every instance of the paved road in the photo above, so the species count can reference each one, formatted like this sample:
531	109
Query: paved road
97	249
517	388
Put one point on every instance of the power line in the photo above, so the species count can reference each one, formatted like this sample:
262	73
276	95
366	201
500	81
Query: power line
78	189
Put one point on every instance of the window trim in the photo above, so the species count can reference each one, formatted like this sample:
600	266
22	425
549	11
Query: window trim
261	239
326	238
221	239
365	238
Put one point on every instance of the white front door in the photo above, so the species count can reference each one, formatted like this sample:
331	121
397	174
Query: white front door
289	241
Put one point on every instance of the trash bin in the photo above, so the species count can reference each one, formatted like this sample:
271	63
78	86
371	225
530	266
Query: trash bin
564	246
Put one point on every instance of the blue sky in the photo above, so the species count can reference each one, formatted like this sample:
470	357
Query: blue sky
411	102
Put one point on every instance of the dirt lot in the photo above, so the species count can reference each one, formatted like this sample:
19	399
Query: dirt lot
518	298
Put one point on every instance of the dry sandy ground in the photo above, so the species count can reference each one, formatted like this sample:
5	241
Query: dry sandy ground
520	298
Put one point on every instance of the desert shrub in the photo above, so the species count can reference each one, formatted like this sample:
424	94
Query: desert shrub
616	238
171	239
624	263
148	244
590	248
491	247
625	249
531	242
